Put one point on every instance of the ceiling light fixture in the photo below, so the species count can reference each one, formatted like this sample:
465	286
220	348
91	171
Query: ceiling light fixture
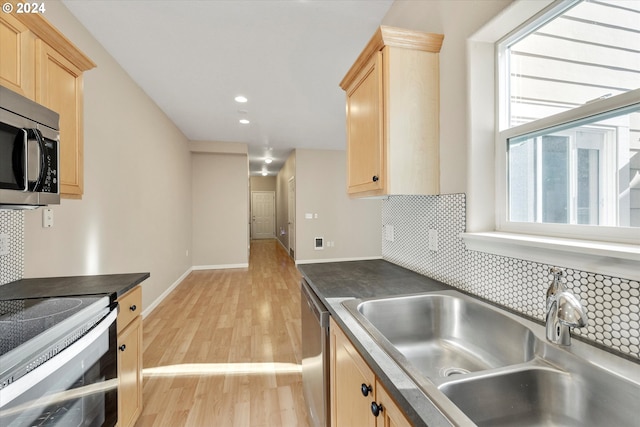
244	121
268	160
241	99
265	173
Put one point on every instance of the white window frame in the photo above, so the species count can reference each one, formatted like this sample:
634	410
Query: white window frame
599	233
485	191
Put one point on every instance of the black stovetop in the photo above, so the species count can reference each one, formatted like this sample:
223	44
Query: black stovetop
23	319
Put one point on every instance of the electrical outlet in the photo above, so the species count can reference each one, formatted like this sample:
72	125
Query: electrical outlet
4	244
433	240
389	233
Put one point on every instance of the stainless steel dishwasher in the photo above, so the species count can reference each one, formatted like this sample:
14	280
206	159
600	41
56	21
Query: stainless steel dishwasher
315	356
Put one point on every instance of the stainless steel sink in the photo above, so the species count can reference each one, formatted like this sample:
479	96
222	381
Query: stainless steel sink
480	365
444	335
545	396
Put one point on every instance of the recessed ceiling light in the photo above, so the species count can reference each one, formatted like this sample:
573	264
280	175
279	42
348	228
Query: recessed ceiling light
265	173
268	160
241	98
244	121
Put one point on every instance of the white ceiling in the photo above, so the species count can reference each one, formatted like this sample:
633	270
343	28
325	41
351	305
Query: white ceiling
287	57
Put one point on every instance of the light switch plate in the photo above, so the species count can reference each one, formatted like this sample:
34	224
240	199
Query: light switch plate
4	244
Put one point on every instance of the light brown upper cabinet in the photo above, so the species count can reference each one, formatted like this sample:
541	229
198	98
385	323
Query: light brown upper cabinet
43	65
17	66
393	103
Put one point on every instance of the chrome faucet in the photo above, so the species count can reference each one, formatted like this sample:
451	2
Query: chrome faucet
564	311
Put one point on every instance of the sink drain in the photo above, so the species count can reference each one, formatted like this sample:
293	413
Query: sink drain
447	372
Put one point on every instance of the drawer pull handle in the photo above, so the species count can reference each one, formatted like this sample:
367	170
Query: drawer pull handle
376	409
365	389
133	307
122	347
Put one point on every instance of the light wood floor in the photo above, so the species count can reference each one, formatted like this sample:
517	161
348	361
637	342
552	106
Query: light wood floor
223	349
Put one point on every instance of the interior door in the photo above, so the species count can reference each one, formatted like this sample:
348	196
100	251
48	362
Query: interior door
291	217
263	218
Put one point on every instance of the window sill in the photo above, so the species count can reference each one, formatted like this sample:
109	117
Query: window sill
612	259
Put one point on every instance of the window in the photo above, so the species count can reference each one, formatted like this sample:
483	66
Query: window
569	122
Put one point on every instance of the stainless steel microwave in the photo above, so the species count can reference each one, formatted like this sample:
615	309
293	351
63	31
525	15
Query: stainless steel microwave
29	153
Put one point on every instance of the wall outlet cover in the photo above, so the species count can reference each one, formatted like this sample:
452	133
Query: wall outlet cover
433	240
47	218
318	243
389	233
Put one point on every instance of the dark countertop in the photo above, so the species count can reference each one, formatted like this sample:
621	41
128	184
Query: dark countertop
337	281
366	279
114	285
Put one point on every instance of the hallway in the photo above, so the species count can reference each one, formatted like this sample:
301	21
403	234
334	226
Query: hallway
223	349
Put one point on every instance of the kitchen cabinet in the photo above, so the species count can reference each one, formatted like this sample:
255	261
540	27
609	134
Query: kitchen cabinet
130	357
355	391
17	68
393	102
41	64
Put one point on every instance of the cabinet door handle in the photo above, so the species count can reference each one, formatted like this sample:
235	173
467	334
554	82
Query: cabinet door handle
376	409
375	178
365	389
133	307
122	347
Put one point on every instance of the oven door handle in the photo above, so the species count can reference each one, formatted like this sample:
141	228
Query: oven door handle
29	380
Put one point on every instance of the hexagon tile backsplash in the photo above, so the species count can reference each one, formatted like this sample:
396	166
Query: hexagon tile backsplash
612	303
12	265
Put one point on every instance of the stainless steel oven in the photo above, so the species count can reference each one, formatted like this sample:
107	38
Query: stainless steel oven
58	362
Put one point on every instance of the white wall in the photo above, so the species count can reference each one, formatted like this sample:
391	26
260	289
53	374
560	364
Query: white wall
353	225
135	215
220	210
457	20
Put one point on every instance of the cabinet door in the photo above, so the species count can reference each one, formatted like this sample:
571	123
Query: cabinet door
365	148
60	89
17	45
390	416
349	407
130	373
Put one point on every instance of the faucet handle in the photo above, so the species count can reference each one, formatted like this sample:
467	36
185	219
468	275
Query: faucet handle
557	273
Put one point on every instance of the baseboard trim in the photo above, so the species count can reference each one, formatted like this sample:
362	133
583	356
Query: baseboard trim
286	249
219	267
166	293
320	261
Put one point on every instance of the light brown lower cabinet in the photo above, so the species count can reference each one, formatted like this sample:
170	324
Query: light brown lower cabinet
130	358
355	391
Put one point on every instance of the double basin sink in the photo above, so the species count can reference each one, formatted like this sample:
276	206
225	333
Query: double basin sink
482	365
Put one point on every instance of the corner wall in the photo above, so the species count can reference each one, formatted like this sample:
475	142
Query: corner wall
352	226
220	194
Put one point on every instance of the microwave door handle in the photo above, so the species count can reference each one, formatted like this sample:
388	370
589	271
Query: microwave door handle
43	159
39	158
20	170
